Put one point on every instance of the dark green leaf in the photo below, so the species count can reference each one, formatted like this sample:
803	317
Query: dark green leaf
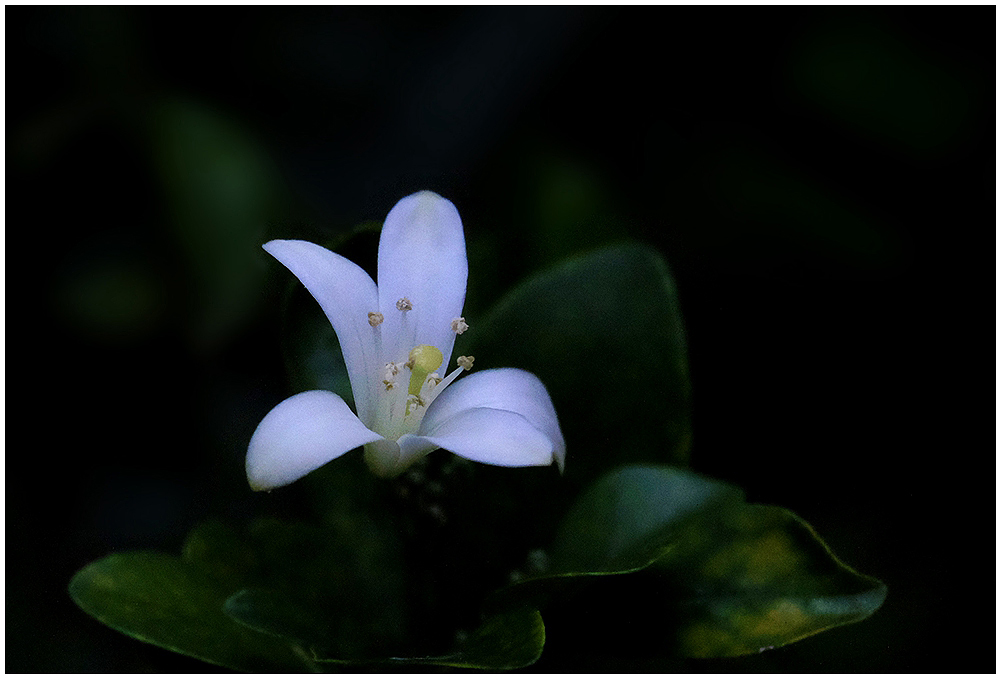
159	599
630	517
222	189
604	334
222	552
505	641
281	614
330	588
871	80
719	577
759	577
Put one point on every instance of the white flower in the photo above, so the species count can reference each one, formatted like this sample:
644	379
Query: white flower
394	338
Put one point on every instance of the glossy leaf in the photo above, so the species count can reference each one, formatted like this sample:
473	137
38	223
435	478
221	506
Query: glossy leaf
717	576
634	515
159	599
604	333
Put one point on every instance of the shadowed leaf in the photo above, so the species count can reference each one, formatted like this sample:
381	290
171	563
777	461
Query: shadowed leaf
159	599
505	641
720	577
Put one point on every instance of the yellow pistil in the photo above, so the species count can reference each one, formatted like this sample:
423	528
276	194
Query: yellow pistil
423	359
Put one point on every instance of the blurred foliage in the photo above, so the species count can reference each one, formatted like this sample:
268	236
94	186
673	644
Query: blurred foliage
866	75
221	189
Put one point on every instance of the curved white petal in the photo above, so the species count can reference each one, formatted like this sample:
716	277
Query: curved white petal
422	257
347	294
487	435
506	389
301	434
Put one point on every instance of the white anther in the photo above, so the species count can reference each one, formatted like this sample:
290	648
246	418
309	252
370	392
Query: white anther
459	325
375	319
404	305
390	371
466	363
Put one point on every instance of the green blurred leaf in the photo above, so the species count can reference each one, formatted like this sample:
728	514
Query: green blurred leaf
222	552
311	349
874	80
570	208
159	599
222	189
505	641
604	333
719	577
793	211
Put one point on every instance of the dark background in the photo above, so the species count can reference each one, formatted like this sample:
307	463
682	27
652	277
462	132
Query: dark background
816	179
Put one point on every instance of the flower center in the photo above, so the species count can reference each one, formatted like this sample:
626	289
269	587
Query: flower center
423	359
399	411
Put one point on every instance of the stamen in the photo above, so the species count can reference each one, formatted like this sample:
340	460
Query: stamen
405	333
458	325
464	364
375	319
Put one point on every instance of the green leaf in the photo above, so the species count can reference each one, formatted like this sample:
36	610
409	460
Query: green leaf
505	641
281	614
632	516
159	599
604	333
763	579
326	587
222	552
222	189
718	576
252	600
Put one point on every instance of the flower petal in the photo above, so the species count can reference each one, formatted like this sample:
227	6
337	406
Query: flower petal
422	257
347	295
486	435
506	389
301	434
